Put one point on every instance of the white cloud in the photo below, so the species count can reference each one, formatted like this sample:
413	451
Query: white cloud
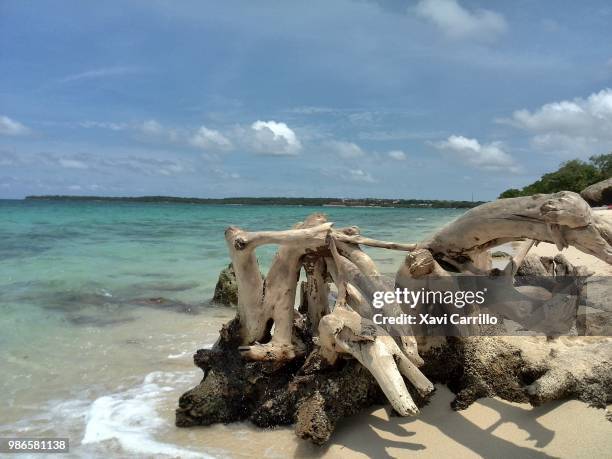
112	165
346	150
348	175
152	130
400	134
141	165
310	110
398	155
100	73
152	127
72	163
209	138
104	125
578	127
12	127
358	175
171	168
361	118
226	175
274	138
458	22
488	156
264	137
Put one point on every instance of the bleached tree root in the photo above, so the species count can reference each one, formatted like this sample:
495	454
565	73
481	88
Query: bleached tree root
562	218
275	365
345	331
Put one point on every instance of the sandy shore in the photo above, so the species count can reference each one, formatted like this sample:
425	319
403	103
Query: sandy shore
490	428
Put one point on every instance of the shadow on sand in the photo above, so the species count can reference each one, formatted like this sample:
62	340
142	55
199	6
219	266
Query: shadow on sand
440	429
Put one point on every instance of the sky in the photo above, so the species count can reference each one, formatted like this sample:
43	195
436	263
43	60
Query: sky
431	99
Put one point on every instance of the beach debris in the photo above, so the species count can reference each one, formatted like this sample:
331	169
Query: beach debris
277	365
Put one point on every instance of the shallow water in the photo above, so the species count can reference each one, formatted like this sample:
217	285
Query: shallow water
85	354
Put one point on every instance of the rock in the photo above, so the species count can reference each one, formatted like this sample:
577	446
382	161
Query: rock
500	254
523	369
226	290
306	392
598	194
167	304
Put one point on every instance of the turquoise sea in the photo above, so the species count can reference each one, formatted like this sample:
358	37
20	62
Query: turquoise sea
89	351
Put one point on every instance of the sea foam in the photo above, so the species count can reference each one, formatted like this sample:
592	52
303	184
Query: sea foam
130	417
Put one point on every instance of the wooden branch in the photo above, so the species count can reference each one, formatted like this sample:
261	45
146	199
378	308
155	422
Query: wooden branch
316	290
280	289
516	261
352	251
309	237
345	331
258	304
357	239
355	298
253	316
342	275
562	218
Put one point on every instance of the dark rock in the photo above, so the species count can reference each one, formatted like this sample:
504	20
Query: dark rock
167	304
306	391
226	290
598	194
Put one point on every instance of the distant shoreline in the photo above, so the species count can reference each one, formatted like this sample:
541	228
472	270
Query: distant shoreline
274	201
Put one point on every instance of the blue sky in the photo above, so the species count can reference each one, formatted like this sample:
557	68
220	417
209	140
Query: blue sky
408	99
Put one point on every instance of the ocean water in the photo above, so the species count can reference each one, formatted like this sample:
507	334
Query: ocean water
103	305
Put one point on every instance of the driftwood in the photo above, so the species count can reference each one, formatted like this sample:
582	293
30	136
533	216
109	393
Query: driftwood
562	218
311	366
598	194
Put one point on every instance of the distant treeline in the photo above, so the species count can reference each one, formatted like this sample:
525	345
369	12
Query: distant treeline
574	175
368	202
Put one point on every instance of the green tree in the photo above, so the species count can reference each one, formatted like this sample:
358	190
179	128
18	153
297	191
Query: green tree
604	164
511	193
574	175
